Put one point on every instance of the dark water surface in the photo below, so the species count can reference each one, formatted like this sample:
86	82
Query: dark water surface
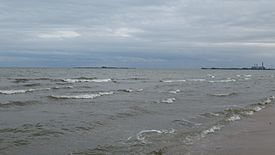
122	111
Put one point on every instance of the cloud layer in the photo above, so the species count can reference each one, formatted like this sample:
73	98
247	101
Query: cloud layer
186	33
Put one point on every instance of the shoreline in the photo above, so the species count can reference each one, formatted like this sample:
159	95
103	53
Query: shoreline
251	136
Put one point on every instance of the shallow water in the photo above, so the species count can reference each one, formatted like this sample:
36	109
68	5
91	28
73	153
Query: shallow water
122	111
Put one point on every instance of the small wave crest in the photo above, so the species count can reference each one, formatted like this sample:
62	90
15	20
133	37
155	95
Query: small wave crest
223	81
142	135
170	81
130	90
234	117
224	94
168	100
11	92
17	103
174	91
77	80
211	130
81	96
196	80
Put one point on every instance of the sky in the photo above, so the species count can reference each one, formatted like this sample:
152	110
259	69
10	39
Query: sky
137	33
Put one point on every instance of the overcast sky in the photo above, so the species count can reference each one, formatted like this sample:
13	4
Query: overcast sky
137	33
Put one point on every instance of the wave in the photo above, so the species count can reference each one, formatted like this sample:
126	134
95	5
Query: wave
174	91
81	96
225	117
170	81
62	87
130	90
168	100
86	80
223	81
224	94
196	80
10	92
211	76
211	130
142	135
234	117
23	80
17	103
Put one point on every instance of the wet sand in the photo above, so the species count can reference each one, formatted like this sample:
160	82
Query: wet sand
250	136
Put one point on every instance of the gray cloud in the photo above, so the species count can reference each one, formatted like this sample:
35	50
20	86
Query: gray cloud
198	30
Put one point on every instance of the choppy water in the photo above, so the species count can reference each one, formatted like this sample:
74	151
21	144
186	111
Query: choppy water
131	111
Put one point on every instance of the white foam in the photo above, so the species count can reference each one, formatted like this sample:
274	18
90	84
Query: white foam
223	81
86	80
63	87
82	96
234	118
196	80
249	112
170	81
174	91
256	109
141	135
211	130
211	76
214	114
247	75
106	93
169	100
10	92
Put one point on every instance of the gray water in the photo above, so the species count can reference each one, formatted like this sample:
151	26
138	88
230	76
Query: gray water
122	111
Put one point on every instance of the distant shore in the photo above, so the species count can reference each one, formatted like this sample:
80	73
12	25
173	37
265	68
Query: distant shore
216	68
104	67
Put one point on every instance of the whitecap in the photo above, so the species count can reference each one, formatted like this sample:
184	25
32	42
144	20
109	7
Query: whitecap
211	76
249	112
81	96
257	108
174	91
169	100
63	87
211	130
141	136
223	81
10	92
86	80
170	81
196	80
234	118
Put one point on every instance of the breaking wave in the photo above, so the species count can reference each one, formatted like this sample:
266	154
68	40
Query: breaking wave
81	96
223	81
83	79
168	100
170	81
142	135
174	91
196	80
224	94
130	90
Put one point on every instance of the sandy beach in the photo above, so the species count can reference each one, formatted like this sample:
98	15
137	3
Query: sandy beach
251	136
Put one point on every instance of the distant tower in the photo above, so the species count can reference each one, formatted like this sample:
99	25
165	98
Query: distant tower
263	66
